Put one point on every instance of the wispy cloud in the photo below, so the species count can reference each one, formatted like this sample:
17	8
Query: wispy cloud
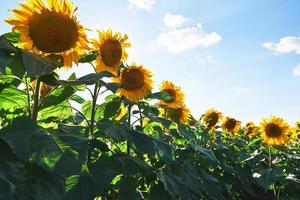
296	70
179	40
286	44
142	4
173	21
205	60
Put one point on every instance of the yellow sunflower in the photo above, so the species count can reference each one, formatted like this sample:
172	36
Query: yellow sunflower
231	125
121	113
192	121
136	82
175	92
44	88
294	133
51	29
251	129
274	130
178	115
211	118
111	51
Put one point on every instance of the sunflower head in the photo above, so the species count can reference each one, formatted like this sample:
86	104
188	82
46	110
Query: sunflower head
211	118
136	82
175	92
192	121
121	113
297	126
251	129
231	125
51	29
111	51
274	130
178	115
44	88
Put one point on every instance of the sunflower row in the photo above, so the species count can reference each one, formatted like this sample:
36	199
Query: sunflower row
53	28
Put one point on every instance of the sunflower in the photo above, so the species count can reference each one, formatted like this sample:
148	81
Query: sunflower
294	133
51	29
231	125
44	88
192	121
121	113
136	82
178	115
111	51
251	129
211	118
175	92
274	130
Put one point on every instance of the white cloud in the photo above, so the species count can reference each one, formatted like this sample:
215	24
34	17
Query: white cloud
178	40
142	4
296	70
173	21
285	45
205	60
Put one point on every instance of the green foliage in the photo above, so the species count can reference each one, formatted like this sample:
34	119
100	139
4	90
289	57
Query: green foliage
77	149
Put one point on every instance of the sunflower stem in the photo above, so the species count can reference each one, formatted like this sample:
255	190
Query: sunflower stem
275	192
141	116
28	97
129	122
36	100
93	112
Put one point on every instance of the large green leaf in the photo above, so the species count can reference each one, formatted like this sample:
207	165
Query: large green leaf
12	98
58	96
38	66
61	153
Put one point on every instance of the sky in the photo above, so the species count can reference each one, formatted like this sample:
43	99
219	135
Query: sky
240	57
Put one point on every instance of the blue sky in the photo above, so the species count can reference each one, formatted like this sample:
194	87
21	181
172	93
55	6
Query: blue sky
240	57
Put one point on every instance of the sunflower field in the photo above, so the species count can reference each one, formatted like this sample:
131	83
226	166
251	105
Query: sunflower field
128	140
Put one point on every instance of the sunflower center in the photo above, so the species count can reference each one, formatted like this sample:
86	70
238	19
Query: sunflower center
213	119
175	114
52	32
132	80
273	130
172	94
111	52
230	124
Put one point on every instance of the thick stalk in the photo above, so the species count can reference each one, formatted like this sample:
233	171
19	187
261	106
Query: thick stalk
36	100
271	166
141	117
129	122
28	97
93	112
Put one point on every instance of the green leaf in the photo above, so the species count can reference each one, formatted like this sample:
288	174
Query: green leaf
5	59
6	45
12	99
89	79
86	108
17	67
38	66
128	189
60	153
83	189
12	37
88	58
77	99
161	96
159	193
57	111
58	96
112	108
267	177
